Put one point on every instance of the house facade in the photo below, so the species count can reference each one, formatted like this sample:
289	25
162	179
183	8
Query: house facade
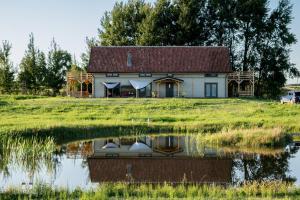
173	71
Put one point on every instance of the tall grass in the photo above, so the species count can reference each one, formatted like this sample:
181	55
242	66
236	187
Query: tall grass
256	137
255	190
28	154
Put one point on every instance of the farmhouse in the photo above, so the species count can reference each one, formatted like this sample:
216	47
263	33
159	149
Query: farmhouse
173	71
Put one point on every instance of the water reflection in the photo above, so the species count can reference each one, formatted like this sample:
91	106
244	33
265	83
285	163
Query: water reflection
139	159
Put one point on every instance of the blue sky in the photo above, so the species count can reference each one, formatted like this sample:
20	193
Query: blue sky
70	21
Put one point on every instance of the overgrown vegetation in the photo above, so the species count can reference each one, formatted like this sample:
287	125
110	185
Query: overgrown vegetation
257	190
256	137
69	117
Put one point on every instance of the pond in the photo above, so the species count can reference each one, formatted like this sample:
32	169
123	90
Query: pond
150	159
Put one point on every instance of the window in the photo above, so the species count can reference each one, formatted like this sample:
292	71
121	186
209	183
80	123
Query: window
145	75
170	75
211	90
129	60
211	75
112	75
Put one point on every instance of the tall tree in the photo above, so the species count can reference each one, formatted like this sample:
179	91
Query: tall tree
59	62
222	27
32	68
6	69
159	27
273	51
251	16
190	19
85	57
120	26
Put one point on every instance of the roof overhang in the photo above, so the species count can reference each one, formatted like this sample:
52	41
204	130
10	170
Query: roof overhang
168	79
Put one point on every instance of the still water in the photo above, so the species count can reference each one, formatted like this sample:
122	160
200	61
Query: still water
155	159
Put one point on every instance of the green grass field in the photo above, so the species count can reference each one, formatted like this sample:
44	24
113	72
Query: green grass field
62	115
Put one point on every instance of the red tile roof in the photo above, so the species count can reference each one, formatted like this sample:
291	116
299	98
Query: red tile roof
171	59
196	170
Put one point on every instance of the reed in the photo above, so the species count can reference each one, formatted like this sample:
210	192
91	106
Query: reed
256	137
254	190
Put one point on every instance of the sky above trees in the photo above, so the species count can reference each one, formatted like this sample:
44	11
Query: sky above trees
70	21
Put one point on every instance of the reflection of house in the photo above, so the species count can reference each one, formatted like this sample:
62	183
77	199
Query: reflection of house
154	159
160	169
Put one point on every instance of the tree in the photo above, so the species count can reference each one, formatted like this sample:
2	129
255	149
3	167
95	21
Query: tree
59	62
85	57
273	50
32	68
190	19
159	27
121	25
6	69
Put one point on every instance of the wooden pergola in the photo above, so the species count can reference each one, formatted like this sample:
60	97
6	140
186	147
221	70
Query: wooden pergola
75	78
242	78
167	80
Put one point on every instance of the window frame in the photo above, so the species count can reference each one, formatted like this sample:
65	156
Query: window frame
112	74
145	74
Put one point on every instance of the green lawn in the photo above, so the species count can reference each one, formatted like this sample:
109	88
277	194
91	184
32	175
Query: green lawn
27	114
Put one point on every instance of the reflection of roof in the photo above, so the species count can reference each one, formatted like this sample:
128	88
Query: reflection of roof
140	147
198	170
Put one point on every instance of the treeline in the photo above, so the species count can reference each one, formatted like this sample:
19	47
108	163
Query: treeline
38	73
258	37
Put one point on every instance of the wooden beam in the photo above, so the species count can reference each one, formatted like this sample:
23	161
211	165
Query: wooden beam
178	86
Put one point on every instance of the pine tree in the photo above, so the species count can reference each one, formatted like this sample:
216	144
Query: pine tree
6	69
32	69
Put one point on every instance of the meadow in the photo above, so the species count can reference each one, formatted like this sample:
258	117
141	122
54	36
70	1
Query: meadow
64	116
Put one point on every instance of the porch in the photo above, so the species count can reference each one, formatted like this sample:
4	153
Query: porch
241	84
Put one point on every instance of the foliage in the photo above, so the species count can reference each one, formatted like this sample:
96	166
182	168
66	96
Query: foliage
121	25
59	61
6	69
257	137
85	57
32	69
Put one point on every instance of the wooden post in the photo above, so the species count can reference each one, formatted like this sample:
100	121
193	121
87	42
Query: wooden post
158	83
253	83
93	88
239	83
178	86
80	84
192	87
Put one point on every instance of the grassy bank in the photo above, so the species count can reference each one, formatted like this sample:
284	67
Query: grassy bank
61	117
272	190
255	137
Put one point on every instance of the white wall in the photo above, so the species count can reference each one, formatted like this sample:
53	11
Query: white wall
193	85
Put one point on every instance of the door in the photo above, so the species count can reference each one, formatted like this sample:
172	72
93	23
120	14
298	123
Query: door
169	89
211	90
